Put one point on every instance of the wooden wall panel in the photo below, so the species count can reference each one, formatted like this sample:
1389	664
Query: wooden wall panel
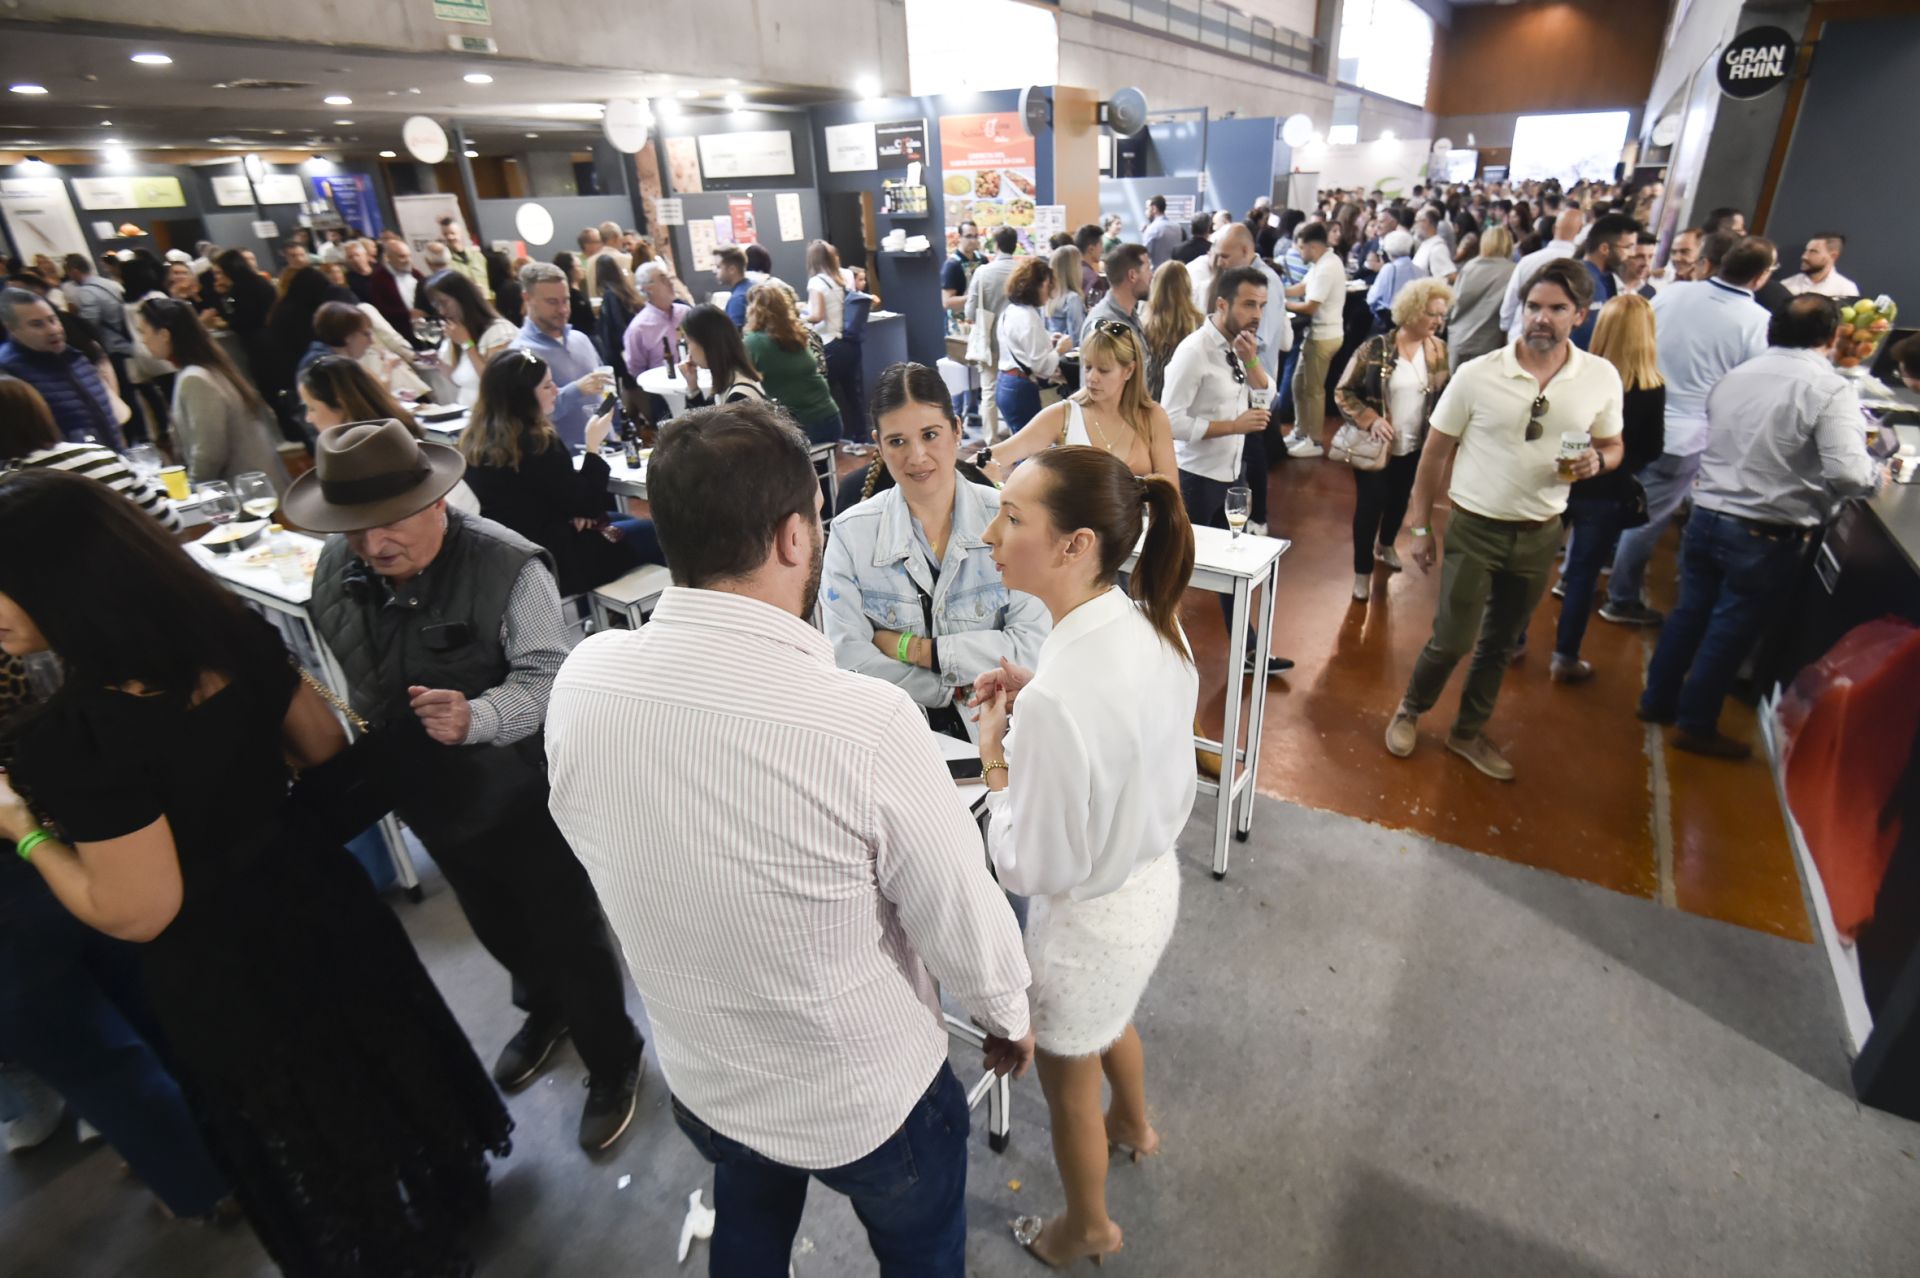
1560	55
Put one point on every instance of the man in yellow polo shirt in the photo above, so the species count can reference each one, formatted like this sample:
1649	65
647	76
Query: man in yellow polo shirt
1503	423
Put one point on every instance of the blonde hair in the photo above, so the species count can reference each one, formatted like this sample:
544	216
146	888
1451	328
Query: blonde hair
1496	241
1171	314
1624	338
1414	296
1122	349
770	311
1066	278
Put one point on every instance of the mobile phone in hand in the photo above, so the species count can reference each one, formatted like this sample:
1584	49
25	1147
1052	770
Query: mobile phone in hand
963	770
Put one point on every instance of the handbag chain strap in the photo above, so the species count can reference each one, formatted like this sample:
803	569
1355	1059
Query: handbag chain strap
332	698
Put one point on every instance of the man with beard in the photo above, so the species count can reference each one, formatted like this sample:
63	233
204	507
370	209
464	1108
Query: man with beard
794	873
1503	423
1610	242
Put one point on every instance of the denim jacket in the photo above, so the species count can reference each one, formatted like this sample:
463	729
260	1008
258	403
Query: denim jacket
873	577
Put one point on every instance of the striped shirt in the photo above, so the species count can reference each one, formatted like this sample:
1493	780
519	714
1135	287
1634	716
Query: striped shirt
109	468
783	857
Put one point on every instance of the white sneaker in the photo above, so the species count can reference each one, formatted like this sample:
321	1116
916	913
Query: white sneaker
44	1109
1362	586
1301	446
1258	530
1386	556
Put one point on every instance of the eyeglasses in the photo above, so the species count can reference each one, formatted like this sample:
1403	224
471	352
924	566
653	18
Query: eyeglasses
1535	427
1233	365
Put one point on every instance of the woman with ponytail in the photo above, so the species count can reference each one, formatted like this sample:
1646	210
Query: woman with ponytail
1090	769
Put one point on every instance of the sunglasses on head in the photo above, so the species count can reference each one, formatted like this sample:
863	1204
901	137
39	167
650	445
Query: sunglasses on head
1114	328
1535	427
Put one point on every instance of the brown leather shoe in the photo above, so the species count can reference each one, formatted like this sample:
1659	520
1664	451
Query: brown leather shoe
1713	747
1481	754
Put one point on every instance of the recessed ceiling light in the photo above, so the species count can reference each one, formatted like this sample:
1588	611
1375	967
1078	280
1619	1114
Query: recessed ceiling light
477	77
735	101
413	90
30	90
152	59
116	155
471	155
867	86
686	93
533	135
106	124
337	99
112	141
343	121
386	155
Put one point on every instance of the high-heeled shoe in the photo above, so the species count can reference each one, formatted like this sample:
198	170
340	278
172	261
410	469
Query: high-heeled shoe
1026	1232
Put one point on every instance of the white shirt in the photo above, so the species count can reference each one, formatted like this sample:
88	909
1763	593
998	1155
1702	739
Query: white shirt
1276	322
1788	442
1433	258
1200	389
834	325
1327	285
408	286
1702	330
1407	403
1510	304
465	377
779	848
1098	784
1025	342
1487	405
1835	285
1200	271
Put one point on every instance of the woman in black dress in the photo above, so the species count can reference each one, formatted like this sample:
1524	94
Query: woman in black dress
337	1090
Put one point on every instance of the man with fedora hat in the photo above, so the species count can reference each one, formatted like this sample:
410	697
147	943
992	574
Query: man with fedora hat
449	630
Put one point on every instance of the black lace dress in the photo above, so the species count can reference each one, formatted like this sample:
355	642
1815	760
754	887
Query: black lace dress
338	1091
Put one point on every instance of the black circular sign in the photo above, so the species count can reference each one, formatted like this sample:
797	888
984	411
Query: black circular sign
1755	61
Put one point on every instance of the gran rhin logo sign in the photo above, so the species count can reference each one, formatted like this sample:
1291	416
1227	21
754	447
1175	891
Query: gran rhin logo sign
1756	61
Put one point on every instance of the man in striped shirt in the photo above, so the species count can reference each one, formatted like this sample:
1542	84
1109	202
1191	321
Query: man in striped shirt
788	869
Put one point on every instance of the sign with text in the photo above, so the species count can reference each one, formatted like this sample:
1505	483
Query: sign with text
740	210
474	11
669	213
1755	62
130	193
852	148
351	196
900	143
230	190
761	153
988	173
281	188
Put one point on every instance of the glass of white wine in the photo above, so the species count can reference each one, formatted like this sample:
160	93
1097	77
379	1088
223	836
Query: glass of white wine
256	494
1239	505
217	501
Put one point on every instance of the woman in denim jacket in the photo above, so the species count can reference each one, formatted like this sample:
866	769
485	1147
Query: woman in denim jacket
909	590
1390	388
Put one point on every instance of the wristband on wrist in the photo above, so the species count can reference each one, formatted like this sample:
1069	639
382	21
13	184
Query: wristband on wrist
35	838
902	651
1421	532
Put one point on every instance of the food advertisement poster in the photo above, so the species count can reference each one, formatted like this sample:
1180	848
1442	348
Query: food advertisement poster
899	143
740	209
988	171
683	165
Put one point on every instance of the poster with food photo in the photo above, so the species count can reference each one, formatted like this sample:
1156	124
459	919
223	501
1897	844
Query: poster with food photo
987	171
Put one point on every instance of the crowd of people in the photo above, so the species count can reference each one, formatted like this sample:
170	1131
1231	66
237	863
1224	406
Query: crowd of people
179	791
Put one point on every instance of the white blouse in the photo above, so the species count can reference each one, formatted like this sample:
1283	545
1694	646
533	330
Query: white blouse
1026	343
466	378
1100	766
1407	402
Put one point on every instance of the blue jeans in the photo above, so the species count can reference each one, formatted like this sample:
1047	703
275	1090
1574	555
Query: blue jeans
1018	399
1595	527
1668	480
640	541
967	408
72	1011
910	1194
847	378
1732	575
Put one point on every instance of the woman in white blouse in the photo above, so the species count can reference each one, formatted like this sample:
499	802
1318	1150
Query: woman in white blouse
475	332
1089	790
1029	354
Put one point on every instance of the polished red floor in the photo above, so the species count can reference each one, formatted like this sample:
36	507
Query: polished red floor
1585	803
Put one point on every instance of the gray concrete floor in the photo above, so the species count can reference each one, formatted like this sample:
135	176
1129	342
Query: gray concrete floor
1368	1055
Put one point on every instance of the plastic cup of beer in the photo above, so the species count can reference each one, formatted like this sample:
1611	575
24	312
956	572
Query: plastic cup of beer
1573	443
1262	397
174	480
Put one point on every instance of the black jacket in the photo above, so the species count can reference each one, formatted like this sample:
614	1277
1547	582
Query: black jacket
1643	432
541	500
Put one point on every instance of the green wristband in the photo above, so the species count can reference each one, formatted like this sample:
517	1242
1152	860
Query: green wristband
905	647
33	840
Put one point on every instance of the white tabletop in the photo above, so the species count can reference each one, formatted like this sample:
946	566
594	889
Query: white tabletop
1217	552
656	381
249	570
621	478
446	430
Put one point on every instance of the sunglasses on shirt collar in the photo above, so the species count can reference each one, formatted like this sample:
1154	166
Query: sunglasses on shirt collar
1535	426
1233	365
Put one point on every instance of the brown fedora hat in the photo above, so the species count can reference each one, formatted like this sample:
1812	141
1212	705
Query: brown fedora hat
369	474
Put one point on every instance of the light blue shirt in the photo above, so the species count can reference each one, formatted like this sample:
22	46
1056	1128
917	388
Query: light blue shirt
1161	238
570	358
1393	277
1703	328
877	565
1789	443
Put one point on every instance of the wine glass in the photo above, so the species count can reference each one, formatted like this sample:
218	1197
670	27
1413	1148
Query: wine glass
145	460
217	501
256	494
1239	505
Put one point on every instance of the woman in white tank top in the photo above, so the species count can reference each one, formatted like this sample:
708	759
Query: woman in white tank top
1110	411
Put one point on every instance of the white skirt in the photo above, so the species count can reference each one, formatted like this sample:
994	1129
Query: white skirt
1091	959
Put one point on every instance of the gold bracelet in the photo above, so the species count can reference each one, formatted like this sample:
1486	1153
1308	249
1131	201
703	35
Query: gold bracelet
991	764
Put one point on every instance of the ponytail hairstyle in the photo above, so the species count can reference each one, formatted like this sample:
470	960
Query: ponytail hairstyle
1093	489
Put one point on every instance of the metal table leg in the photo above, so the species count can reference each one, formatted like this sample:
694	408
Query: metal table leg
997	1090
1257	712
1230	727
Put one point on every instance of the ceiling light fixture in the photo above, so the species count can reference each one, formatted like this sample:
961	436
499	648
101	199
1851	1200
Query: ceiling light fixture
343	121
337	99
152	59
387	155
106	124
735	102
477	77
117	156
533	135
686	93
28	90
471	155
867	86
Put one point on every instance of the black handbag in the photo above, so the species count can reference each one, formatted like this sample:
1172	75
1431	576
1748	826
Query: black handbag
344	796
1633	505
